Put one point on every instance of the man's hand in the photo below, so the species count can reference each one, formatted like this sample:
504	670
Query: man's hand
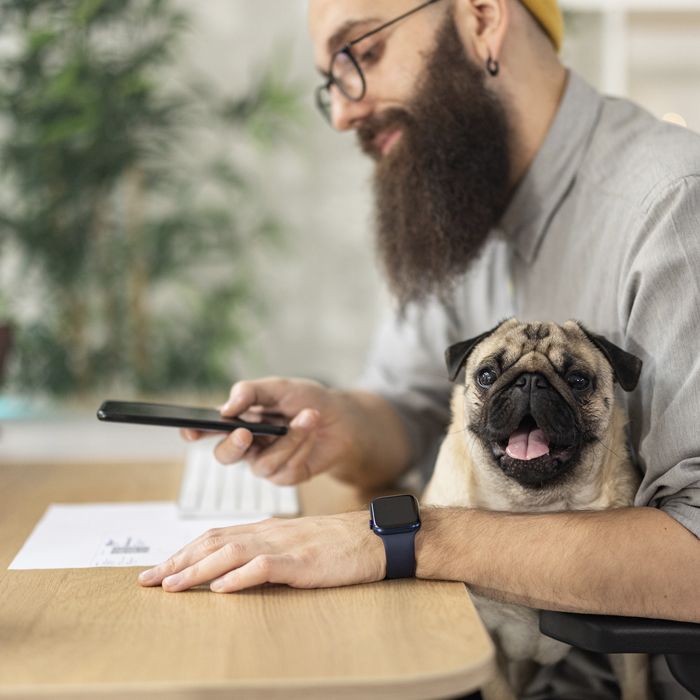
319	552
320	430
356	435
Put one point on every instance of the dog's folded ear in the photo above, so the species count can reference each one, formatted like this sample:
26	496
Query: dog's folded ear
456	355
626	366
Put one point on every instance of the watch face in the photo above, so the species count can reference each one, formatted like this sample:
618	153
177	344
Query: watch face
395	511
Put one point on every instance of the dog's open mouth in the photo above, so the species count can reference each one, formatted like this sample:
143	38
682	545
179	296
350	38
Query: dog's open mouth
528	456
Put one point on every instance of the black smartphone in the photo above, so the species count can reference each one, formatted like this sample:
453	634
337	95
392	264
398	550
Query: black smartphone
181	417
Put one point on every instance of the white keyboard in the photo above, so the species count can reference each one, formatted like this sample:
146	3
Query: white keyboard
210	489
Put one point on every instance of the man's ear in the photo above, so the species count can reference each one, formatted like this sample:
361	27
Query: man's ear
457	355
482	26
626	366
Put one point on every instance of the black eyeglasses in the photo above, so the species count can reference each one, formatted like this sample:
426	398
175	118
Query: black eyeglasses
345	71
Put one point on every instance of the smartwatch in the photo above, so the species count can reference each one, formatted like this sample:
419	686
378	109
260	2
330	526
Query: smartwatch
396	519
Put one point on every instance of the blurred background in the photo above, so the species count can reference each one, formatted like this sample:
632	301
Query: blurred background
175	215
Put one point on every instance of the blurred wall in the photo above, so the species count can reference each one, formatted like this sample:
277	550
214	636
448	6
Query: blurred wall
323	290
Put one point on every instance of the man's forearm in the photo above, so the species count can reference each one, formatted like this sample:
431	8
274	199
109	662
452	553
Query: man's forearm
629	561
384	447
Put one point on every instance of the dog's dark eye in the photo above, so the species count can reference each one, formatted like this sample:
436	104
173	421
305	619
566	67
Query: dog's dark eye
578	382
486	377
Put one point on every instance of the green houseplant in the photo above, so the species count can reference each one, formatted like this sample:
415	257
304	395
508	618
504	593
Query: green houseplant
131	243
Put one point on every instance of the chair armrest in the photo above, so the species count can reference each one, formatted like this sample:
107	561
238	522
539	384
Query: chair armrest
612	634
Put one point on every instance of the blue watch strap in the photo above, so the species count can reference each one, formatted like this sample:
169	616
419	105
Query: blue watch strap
400	554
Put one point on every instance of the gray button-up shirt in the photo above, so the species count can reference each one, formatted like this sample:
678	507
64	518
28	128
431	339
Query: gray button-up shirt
603	228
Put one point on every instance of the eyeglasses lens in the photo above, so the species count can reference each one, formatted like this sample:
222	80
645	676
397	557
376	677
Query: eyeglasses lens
347	76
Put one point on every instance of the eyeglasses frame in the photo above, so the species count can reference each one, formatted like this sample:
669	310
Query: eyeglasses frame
347	50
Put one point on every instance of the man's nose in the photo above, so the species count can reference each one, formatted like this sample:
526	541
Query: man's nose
347	114
530	382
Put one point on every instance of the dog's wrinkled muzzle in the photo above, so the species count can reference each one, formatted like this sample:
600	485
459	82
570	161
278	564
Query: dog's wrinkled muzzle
532	430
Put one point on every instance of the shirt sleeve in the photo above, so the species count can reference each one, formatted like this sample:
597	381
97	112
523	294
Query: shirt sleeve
660	312
405	366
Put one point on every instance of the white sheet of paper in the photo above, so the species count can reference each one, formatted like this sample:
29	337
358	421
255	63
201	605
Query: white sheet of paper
85	535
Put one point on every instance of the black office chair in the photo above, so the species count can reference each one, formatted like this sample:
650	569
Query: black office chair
610	634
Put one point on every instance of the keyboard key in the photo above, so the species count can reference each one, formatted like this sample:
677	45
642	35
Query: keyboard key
209	489
212	488
268	499
288	503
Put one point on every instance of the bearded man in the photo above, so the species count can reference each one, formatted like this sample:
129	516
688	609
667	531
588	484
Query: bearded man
505	186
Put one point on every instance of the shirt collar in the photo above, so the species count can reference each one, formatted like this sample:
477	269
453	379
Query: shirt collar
554	167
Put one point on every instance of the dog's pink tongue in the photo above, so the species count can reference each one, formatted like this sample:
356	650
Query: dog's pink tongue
527	444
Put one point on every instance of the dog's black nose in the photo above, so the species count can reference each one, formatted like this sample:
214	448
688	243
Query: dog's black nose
530	382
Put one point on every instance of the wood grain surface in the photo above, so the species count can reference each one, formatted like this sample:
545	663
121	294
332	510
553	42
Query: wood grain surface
88	632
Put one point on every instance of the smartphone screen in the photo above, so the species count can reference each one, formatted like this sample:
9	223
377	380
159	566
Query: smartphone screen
181	417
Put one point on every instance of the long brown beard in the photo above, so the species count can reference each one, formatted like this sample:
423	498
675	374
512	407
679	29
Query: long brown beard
444	184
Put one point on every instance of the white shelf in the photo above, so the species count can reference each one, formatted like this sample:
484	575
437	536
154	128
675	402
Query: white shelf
85	439
630	5
616	18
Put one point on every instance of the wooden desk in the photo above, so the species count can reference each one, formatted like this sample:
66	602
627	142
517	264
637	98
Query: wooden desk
88	632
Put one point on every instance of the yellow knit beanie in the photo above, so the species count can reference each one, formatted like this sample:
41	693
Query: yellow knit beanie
548	14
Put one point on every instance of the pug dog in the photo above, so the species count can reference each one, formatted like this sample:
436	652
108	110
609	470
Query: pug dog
535	428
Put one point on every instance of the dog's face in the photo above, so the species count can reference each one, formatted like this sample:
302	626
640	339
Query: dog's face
539	397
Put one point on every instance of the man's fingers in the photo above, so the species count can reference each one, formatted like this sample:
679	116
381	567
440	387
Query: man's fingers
296	469
206	544
262	392
273	458
232	448
190	435
265	568
230	556
268	460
